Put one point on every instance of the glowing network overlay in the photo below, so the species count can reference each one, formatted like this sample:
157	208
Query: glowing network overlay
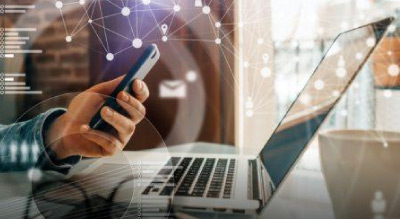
95	17
165	15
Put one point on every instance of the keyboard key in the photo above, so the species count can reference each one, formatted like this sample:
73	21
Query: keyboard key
167	190
217	174
190	177
147	190
164	171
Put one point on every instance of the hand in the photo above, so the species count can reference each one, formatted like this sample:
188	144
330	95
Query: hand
70	134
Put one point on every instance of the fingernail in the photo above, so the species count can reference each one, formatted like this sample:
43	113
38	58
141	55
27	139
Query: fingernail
85	128
125	96
108	111
138	84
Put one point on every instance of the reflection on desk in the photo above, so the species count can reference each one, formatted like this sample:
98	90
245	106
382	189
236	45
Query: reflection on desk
303	195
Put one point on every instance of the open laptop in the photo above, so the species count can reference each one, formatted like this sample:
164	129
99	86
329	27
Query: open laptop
245	184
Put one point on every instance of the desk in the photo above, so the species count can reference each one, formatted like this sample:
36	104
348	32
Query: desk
355	182
304	194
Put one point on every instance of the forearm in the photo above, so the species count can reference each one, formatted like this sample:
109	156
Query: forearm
23	145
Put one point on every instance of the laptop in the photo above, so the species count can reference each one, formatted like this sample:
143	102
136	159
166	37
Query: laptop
246	184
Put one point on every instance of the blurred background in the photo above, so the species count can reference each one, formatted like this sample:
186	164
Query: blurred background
229	70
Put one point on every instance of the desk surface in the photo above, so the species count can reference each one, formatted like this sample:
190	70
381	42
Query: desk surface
304	194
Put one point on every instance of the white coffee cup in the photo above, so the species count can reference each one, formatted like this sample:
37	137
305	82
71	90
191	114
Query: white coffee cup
362	172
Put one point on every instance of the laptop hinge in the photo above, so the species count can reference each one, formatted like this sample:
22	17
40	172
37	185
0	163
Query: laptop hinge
266	184
255	189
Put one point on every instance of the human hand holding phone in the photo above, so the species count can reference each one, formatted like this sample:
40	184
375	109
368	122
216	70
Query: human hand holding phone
70	134
138	71
121	109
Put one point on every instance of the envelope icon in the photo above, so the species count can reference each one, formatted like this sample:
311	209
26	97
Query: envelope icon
172	89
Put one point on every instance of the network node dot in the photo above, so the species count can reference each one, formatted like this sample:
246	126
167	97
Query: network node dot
218	41
177	8
34	174
305	99
387	93
359	56
217	24
385	145
343	113
90	21
126	11
336	93
59	4
249	103
164	38
137	43
82	2
341	72
110	56
394	70
266	72
68	39
319	84
246	64
191	76
249	113
391	28
260	41
146	2
206	9
371	42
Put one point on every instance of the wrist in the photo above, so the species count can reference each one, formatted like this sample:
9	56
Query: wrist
54	137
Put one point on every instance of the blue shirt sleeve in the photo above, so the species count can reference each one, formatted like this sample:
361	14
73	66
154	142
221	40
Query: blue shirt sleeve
22	145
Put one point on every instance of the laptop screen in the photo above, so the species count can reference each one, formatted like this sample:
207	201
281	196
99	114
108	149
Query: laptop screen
336	71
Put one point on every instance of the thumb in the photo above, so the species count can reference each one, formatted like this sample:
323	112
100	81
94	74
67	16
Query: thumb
107	87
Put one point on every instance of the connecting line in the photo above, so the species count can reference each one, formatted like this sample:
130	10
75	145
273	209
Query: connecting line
157	26
98	37
116	33
184	25
73	31
105	34
111	3
130	25
83	26
107	16
94	30
137	28
123	50
212	23
230	69
172	16
172	20
65	26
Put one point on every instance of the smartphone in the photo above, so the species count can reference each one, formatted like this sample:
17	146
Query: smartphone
138	71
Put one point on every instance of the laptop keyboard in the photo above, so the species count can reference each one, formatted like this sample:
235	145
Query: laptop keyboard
197	177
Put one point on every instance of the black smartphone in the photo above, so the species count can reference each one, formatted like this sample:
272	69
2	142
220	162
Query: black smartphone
138	71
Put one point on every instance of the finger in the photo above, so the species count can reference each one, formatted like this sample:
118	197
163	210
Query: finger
108	143
141	90
122	124
135	109
107	87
